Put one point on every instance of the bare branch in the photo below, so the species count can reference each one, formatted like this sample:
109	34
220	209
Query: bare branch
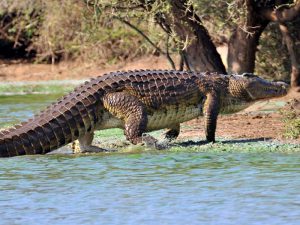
148	39
118	7
183	53
168	54
140	32
181	63
283	14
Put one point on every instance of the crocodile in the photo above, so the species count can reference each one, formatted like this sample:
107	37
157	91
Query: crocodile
136	101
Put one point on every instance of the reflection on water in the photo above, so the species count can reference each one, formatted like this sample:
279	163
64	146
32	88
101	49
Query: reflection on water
151	188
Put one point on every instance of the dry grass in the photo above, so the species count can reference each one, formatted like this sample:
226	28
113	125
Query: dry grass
291	119
58	31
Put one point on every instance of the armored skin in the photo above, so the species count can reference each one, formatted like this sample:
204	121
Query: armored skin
136	101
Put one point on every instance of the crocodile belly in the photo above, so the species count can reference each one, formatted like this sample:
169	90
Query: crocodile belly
109	121
172	115
157	119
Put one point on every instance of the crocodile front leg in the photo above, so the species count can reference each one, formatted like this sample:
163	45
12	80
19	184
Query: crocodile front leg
129	109
211	111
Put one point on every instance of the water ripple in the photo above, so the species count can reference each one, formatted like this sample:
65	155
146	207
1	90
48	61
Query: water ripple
173	188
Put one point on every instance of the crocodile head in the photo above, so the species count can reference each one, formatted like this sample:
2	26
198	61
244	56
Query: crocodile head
245	89
249	87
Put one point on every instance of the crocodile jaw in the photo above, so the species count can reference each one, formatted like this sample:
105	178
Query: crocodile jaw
266	89
249	87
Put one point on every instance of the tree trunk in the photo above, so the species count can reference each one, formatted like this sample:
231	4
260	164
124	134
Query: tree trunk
244	40
200	52
294	55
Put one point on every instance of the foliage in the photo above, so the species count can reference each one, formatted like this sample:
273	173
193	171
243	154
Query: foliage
70	31
19	22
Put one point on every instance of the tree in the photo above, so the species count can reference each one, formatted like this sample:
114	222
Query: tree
180	21
201	53
244	41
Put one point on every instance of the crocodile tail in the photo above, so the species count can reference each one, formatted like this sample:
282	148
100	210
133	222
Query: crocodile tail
55	127
35	137
15	143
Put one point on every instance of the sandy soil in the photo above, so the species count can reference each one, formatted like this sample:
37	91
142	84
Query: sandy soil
242	126
20	71
250	125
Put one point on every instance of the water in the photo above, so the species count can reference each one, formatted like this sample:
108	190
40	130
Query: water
145	188
151	188
14	109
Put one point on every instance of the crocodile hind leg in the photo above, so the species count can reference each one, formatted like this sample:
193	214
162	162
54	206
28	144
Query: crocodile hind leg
85	143
129	109
173	132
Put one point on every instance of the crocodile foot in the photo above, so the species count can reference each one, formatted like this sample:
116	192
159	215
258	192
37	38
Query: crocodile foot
151	142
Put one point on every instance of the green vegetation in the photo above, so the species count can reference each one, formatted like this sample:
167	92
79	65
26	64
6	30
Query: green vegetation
292	127
292	123
114	139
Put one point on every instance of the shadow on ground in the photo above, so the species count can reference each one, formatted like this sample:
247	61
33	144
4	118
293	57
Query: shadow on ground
190	143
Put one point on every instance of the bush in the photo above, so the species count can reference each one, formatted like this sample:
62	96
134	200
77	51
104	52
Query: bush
291	119
56	31
72	31
19	23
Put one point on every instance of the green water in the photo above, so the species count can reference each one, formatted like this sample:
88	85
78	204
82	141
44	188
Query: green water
150	187
14	109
